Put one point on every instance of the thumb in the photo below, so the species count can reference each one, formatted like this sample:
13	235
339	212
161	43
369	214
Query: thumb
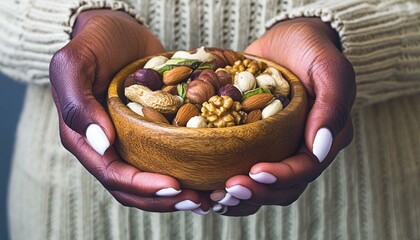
72	75
334	89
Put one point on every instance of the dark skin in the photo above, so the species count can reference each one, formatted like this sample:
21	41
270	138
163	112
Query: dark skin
104	41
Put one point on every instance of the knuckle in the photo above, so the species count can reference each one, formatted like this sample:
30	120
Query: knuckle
71	113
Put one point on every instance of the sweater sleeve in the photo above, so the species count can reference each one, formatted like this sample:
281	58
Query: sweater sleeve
380	38
32	31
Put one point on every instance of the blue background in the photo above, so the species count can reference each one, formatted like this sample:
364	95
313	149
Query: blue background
11	99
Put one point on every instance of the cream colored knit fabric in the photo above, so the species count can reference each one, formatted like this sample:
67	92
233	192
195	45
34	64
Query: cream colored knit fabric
371	191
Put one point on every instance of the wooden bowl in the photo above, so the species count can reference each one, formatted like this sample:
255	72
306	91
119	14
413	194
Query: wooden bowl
204	158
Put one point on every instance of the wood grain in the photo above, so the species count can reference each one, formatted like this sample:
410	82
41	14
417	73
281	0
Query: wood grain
203	159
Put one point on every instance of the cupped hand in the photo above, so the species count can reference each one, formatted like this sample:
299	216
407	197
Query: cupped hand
104	41
310	48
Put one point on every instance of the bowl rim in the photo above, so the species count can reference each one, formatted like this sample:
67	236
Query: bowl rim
297	96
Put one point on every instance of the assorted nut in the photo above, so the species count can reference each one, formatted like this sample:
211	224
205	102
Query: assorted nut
208	88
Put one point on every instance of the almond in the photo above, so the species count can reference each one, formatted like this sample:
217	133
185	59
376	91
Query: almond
257	101
184	114
177	75
153	115
254	115
170	89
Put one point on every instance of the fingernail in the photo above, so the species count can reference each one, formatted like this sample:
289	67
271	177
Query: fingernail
229	200
218	195
322	143
240	192
218	208
264	177
97	138
200	211
167	192
187	205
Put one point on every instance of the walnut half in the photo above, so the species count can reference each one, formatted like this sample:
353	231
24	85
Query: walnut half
222	111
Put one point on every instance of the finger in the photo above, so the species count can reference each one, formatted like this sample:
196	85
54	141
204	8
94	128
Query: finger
187	200
114	173
243	209
250	191
71	75
303	167
334	89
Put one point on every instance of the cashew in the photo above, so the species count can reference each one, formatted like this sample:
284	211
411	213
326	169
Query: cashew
271	109
282	86
200	55
266	81
156	62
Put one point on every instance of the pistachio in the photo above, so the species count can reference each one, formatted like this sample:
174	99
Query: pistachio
245	81
199	91
197	122
210	76
254	92
149	78
182	90
161	101
257	101
177	75
155	62
231	91
224	77
271	109
185	113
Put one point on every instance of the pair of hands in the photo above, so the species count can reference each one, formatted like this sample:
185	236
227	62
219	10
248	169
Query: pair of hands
104	41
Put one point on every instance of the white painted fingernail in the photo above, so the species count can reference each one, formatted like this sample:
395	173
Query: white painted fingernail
263	177
187	205
97	138
240	192
322	143
229	200
218	208
200	211
167	192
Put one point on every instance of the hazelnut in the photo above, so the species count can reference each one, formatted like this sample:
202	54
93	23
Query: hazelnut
210	76
245	81
197	122
199	91
224	77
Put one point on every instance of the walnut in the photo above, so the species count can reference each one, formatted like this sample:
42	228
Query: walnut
248	65
222	111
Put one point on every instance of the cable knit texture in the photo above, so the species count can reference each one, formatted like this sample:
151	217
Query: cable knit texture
371	191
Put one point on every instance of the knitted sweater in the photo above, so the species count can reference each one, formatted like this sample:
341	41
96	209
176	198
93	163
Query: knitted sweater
371	190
